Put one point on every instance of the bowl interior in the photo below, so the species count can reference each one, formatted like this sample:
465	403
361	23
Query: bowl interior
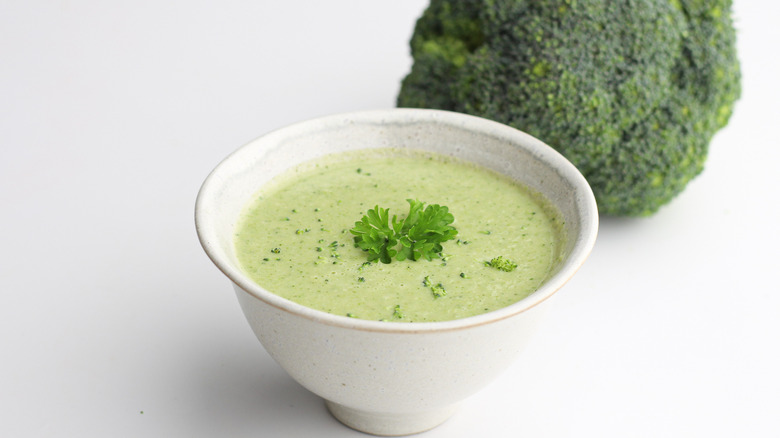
492	145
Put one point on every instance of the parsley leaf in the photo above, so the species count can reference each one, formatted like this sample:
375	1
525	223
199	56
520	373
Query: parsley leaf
419	235
373	234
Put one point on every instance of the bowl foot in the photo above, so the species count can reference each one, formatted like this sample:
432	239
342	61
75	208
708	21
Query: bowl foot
390	424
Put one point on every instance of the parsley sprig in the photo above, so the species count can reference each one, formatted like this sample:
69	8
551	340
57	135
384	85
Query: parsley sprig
419	235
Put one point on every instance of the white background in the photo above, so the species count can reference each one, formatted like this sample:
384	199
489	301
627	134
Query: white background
114	323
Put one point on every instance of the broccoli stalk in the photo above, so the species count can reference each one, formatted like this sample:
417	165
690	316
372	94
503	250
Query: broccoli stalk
630	92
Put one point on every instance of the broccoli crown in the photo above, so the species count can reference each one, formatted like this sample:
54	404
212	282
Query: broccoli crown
629	91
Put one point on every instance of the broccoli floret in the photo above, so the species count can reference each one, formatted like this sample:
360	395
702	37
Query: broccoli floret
631	92
502	264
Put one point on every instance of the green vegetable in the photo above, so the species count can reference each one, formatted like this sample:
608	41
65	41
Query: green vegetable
502	264
420	234
438	291
630	92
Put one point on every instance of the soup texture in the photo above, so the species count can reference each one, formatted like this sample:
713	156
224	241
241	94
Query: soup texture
294	239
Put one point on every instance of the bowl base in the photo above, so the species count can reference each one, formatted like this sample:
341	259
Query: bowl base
390	424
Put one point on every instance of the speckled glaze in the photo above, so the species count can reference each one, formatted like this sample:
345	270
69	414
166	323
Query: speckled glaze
392	378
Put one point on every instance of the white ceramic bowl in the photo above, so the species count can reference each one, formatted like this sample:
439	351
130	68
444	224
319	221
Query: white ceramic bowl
379	377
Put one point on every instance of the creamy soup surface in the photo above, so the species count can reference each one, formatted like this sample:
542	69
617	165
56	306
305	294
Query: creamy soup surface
293	238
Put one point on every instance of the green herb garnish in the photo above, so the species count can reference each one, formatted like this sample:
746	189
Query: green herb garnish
418	235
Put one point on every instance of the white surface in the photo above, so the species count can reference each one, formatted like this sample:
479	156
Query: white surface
114	322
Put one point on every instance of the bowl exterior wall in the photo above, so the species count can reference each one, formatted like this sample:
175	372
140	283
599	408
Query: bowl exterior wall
388	372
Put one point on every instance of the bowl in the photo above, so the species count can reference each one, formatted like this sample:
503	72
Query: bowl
379	377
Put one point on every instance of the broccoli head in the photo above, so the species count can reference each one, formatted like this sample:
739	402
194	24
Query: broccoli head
629	91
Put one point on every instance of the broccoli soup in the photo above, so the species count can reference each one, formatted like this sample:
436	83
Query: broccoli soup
399	236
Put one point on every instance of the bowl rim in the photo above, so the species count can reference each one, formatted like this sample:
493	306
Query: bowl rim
581	249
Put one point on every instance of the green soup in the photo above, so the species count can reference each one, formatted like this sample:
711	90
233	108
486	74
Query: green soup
293	238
